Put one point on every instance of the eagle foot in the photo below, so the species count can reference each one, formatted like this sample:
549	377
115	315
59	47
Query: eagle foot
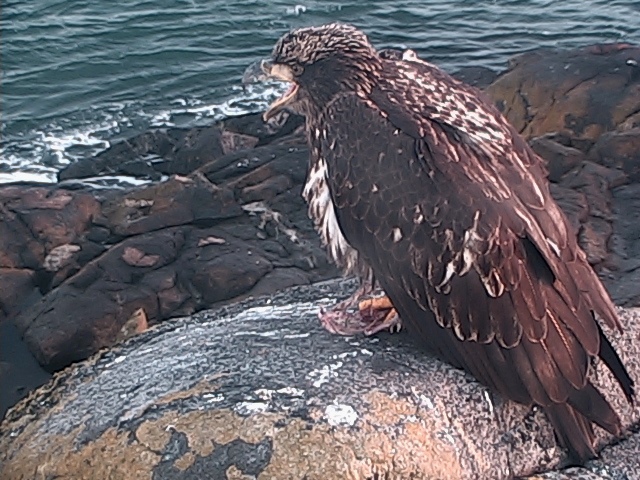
373	315
380	315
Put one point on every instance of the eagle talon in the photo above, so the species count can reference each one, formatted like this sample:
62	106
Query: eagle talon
380	315
372	316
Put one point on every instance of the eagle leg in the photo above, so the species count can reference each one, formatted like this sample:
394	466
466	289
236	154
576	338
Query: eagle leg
372	315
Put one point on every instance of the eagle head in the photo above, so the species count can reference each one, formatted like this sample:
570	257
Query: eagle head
319	62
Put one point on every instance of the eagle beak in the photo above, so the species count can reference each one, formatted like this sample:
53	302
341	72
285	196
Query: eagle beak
281	73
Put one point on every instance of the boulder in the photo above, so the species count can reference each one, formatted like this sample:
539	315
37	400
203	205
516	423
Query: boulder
560	158
152	154
617	462
20	373
258	389
16	284
36	219
178	201
480	77
582	93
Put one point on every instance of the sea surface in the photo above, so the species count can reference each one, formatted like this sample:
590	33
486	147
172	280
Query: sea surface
79	74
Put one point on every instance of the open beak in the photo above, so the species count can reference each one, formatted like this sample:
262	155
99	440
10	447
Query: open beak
282	73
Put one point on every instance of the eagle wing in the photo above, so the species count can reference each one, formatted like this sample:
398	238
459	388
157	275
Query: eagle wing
462	234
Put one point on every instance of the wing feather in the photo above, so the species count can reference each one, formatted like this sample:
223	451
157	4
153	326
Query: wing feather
474	266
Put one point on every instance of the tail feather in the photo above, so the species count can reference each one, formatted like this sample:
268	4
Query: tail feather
572	421
589	403
573	430
610	357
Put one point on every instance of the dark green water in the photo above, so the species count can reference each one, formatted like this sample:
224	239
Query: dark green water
77	74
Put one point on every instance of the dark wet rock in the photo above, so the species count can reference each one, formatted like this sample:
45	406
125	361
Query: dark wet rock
167	270
260	389
585	194
624	280
35	220
16	284
480	77
619	150
560	158
582	93
152	154
279	280
178	201
180	151
249	167
573	204
20	373
252	125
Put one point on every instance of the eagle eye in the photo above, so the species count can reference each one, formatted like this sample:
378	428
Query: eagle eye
297	69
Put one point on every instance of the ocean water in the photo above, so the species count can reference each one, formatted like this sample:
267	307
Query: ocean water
79	74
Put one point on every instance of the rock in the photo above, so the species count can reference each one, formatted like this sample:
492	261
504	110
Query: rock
260	389
560	158
582	93
232	142
625	277
20	373
480	77
152	154
617	462
266	133
279	280
16	284
167	270
180	151
35	220
178	201
585	194
43	231
619	150
573	204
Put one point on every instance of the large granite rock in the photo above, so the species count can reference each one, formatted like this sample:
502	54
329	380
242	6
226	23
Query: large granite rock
260	390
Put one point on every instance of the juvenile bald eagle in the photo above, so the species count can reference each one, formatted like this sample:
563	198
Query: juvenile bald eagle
419	182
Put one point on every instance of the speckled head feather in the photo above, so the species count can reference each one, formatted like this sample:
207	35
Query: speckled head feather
327	60
306	46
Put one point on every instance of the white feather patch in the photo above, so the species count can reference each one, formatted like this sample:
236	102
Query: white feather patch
322	212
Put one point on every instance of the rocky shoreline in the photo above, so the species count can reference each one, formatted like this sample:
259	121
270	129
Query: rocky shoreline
223	220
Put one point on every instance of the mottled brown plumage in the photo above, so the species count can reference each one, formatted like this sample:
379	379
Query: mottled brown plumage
417	180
